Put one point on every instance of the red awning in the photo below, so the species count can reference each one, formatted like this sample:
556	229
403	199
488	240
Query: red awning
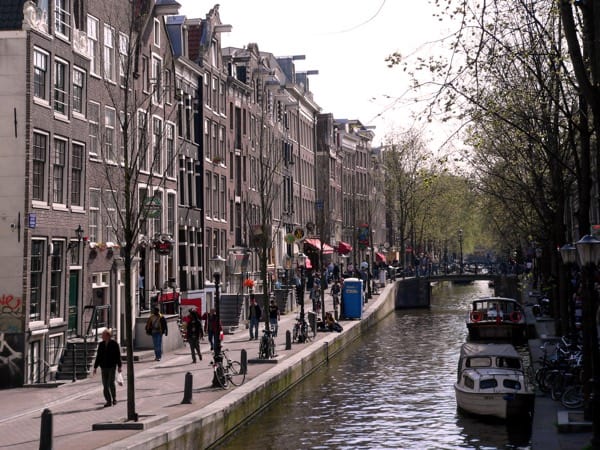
316	244
344	248
380	257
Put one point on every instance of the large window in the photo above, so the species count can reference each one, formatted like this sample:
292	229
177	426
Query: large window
56	277
58	171
142	135
40	152
94	128
156	145
36	278
92	36
62	18
76	174
123	59
170	144
110	216
110	119
78	91
40	75
156	80
94	215
109	53
61	82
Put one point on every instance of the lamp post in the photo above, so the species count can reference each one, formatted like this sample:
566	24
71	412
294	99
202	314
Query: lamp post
301	260
460	243
568	255
217	266
588	251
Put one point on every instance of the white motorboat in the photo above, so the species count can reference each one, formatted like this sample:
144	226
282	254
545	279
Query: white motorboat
492	382
496	318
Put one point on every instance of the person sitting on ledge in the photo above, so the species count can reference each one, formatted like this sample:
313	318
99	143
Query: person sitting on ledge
331	324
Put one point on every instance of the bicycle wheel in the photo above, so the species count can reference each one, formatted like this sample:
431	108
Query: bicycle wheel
262	350
295	335
271	348
572	397
221	376
236	374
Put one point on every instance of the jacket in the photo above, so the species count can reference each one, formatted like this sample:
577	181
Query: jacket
157	324
108	355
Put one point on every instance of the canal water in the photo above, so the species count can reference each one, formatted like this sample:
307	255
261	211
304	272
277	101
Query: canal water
392	389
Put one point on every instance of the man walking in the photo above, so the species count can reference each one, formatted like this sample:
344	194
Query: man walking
254	314
212	327
108	358
274	317
156	326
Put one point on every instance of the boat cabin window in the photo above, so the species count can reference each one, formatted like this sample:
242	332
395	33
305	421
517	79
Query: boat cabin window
488	384
479	362
469	383
512	384
511	363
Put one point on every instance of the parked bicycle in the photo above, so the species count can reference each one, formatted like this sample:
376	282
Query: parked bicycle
267	345
228	371
300	332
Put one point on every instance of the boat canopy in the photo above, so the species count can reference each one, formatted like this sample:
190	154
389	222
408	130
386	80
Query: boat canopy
472	349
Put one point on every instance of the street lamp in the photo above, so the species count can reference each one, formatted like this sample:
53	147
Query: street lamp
217	267
588	251
460	243
568	254
301	260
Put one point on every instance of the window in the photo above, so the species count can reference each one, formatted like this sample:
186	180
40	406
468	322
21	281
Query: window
56	277
168	87
110	120
488	384
123	59
188	117
170	144
171	211
36	278
62	18
76	174
40	75
94	127
110	216
156	145
156	80
58	171
78	91
92	36
61	72
94	215
145	74
109	53
40	152
142	133
223	200
157	32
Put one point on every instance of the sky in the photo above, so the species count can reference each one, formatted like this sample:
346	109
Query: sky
347	41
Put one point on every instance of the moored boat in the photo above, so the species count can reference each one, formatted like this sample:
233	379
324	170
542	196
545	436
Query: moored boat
491	381
496	318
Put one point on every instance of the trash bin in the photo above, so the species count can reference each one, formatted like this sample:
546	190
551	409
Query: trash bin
352	298
382	278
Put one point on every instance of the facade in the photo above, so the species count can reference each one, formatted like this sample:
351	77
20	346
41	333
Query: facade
135	150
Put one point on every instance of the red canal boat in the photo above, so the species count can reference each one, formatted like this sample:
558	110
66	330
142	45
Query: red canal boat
496	318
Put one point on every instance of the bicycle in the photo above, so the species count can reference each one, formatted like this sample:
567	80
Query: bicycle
300	331
266	349
228	371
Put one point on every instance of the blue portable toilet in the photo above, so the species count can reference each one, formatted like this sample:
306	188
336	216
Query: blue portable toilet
352	298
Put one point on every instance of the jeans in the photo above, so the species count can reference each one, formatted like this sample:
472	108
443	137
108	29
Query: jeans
195	348
157	342
254	328
211	339
108	383
274	326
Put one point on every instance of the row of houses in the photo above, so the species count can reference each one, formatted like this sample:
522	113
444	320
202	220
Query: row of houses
135	149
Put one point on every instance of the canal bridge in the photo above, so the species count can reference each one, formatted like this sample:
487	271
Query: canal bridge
415	292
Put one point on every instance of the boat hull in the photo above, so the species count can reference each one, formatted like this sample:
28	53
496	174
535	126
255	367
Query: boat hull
501	405
493	331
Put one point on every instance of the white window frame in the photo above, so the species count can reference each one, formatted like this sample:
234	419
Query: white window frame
108	53
123	58
110	134
59	167
76	87
94	210
62	19
156	32
156	78
93	27
94	122
61	92
43	163
40	56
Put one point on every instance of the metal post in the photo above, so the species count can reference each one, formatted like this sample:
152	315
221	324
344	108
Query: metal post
187	390
217	344
74	362
244	361
46	430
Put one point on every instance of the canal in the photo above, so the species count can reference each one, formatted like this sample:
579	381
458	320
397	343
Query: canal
392	389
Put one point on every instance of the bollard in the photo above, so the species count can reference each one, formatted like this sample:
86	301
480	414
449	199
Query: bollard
244	361
288	340
46	430
187	390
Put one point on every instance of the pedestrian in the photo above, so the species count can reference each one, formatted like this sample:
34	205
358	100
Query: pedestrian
108	358
254	315
212	327
274	317
156	326
193	333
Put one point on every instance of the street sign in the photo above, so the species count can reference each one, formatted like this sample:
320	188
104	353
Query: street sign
298	233
290	238
153	207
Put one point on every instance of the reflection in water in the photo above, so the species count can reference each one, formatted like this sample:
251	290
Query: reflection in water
392	389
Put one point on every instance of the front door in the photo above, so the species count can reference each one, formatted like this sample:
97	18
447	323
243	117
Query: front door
73	298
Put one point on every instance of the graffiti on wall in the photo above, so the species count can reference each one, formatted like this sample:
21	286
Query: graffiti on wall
11	360
11	314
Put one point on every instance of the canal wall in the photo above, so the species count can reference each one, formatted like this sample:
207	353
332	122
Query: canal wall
212	424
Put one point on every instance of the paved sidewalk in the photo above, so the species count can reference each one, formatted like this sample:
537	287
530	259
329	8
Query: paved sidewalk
76	406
